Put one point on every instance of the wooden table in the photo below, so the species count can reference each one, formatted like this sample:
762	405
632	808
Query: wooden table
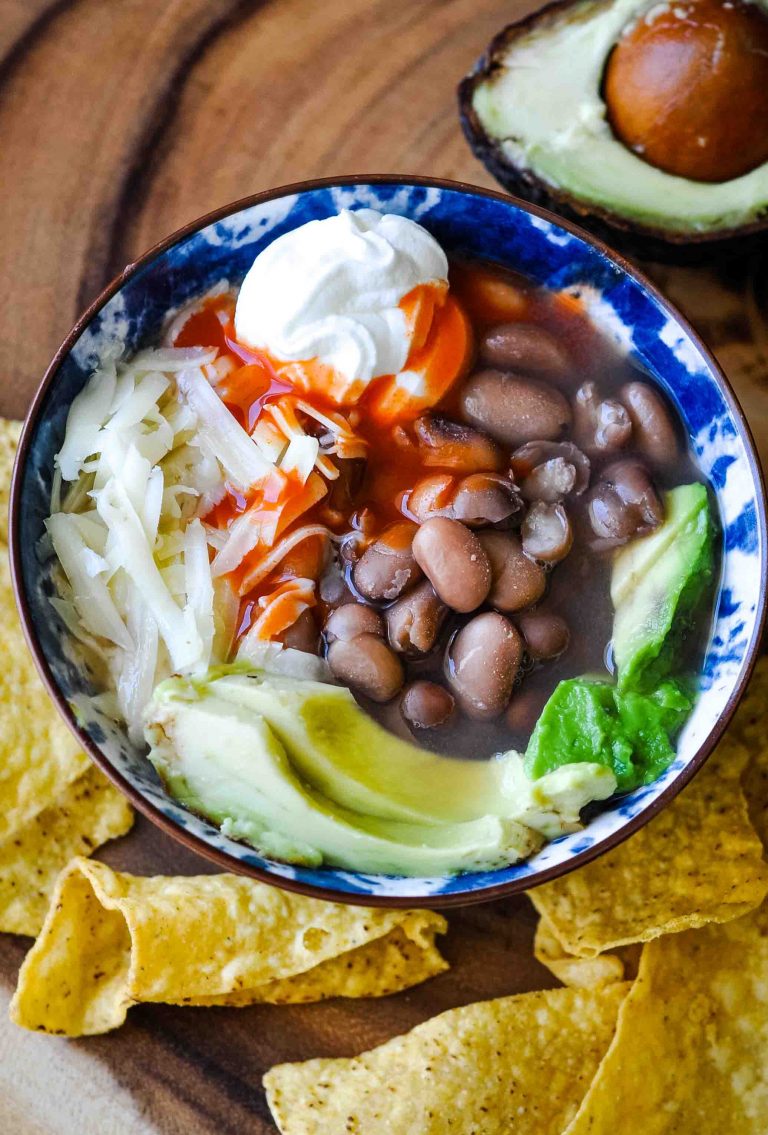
119	121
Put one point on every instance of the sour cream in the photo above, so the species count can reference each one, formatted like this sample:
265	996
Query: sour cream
328	295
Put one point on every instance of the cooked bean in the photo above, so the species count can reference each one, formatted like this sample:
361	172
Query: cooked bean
352	619
599	425
653	430
425	705
485	498
367	664
414	620
546	635
303	634
387	566
514	410
480	498
455	445
526	348
624	503
547	533
540	466
453	560
482	664
518	582
524	710
431	496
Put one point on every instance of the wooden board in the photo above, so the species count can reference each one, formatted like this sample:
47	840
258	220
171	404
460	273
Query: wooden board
119	121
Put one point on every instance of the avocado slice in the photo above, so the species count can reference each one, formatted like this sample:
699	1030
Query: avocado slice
348	757
658	583
533	112
224	762
223	759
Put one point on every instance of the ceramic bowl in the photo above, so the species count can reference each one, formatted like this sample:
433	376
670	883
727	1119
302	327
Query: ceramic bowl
474	223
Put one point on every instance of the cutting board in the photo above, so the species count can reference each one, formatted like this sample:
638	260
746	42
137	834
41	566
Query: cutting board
119	121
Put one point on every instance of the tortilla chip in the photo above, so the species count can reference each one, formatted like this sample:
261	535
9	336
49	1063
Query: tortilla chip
39	757
519	1064
376	969
751	725
690	1052
750	721
112	940
583	973
9	440
698	861
88	813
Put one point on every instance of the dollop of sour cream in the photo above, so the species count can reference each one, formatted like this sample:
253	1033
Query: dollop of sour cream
329	293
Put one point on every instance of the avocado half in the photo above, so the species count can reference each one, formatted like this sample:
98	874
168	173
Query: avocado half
533	113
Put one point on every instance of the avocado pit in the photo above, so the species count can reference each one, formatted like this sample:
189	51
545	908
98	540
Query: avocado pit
686	88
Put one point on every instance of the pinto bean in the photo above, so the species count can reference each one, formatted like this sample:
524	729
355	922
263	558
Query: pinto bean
624	503
481	498
513	409
387	566
485	498
366	663
517	582
425	705
599	425
524	710
414	620
455	445
453	560
347	622
547	534
525	348
303	634
652	425
482	664
550	470
546	635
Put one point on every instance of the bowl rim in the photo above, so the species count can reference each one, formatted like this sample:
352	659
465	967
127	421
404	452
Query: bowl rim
198	844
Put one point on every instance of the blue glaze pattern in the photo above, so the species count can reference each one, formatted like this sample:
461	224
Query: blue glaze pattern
475	226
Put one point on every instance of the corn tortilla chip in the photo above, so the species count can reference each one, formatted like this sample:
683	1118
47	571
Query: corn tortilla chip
751	726
39	757
112	940
690	1052
698	861
583	973
89	812
376	969
9	440
515	1065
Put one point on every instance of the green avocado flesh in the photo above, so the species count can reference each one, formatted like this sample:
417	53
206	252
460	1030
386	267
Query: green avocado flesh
657	586
259	755
629	733
541	105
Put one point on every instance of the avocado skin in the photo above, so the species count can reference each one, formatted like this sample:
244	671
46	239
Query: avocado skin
639	241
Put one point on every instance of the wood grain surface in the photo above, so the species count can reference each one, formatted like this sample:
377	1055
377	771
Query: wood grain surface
119	121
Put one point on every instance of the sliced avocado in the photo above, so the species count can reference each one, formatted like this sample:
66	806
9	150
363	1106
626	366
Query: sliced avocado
223	761
630	733
222	758
344	754
657	585
533	112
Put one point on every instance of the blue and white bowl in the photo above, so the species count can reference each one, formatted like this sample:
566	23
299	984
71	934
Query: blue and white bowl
474	223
